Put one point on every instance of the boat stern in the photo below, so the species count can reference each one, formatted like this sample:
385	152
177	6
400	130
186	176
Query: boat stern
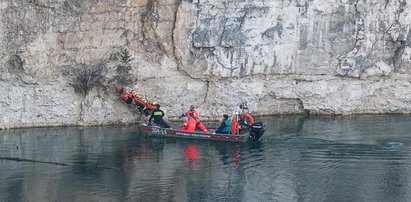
257	130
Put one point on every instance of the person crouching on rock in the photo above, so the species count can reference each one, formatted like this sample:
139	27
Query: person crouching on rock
158	114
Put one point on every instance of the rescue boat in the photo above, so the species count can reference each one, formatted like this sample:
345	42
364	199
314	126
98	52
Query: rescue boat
252	133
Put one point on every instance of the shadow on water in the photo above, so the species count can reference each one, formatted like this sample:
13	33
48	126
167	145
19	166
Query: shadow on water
299	158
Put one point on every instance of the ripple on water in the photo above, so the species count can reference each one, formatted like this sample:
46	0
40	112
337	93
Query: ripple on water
252	158
393	145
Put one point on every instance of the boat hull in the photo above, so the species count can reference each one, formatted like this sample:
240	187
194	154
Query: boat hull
156	131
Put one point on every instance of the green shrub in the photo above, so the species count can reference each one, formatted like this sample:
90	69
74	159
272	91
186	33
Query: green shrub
123	69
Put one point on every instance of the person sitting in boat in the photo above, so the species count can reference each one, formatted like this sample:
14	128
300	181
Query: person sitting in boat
157	115
191	112
192	123
243	124
225	125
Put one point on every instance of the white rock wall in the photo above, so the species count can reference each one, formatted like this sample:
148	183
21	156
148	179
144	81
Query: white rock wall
282	57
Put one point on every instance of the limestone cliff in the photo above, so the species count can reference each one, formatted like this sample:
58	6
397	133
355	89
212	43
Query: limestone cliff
59	59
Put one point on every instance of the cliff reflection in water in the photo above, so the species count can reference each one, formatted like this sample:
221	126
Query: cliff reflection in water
358	158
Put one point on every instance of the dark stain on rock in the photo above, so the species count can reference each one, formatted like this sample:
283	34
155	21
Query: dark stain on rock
15	64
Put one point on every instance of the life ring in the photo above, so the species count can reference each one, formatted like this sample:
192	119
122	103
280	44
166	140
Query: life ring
249	117
234	126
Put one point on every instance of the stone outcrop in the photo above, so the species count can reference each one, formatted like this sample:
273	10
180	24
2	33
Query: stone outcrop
59	59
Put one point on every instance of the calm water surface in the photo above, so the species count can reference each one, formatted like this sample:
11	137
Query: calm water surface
299	158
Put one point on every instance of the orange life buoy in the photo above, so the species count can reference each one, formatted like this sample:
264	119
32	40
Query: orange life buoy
249	117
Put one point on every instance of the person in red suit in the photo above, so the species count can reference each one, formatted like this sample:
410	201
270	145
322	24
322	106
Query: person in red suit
192	123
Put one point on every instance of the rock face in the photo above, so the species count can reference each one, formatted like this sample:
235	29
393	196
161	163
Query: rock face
59	59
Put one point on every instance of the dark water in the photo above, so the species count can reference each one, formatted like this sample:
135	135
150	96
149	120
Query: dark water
358	158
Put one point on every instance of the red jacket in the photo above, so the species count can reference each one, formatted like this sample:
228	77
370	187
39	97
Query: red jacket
191	113
189	125
125	95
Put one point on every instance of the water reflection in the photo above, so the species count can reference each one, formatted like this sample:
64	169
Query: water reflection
300	158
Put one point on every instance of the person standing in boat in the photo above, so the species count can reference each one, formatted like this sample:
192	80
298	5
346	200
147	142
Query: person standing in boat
157	115
225	125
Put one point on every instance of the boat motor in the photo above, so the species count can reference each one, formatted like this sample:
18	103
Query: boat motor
257	130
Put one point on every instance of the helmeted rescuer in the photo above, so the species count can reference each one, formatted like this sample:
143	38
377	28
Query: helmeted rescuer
192	112
225	125
126	96
157	115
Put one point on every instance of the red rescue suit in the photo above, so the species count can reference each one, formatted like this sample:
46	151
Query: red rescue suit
191	125
202	127
191	113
